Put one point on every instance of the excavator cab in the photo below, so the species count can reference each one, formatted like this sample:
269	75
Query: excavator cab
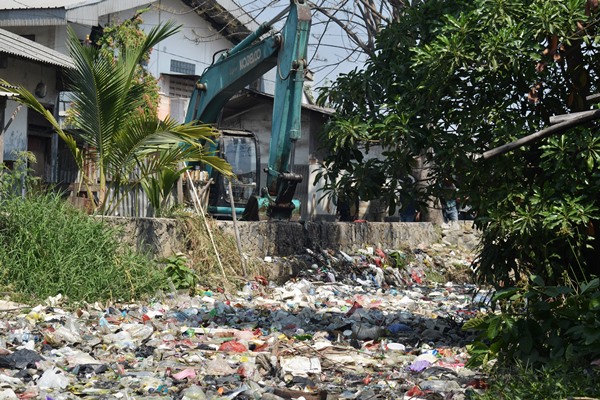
240	149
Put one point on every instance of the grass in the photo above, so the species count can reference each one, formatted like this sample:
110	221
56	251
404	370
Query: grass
48	247
202	258
549	383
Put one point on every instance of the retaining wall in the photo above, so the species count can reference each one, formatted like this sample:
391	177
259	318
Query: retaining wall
163	237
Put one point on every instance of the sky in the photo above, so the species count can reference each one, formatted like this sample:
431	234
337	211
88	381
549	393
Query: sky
328	45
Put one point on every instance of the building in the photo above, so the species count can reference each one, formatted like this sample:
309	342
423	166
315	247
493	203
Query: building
207	28
39	69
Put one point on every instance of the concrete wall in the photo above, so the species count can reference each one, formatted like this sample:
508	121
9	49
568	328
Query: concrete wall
284	238
163	237
15	138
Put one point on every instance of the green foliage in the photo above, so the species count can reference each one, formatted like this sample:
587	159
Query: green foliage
124	145
453	79
401	259
540	324
114	41
159	188
178	271
19	180
47	247
551	382
544	222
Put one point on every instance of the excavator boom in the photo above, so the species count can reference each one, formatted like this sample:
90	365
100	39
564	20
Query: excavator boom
243	64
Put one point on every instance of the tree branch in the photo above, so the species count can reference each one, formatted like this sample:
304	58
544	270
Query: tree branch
372	8
534	137
346	28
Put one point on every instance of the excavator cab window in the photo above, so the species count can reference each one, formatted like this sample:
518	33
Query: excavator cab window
240	152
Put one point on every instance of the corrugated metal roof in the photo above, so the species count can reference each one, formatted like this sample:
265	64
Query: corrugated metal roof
247	99
29	4
57	12
20	47
33	17
228	17
88	12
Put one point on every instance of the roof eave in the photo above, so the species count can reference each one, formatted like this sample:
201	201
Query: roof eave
235	25
33	17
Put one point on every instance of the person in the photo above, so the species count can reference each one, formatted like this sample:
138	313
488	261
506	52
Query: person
449	208
346	208
408	211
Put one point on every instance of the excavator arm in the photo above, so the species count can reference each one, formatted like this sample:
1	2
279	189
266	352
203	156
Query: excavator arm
243	64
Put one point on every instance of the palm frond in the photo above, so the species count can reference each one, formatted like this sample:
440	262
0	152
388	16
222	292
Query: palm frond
99	90
128	147
144	135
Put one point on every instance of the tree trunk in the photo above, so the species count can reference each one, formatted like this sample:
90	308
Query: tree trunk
432	211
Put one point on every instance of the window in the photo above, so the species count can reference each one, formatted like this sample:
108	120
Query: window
183	67
181	86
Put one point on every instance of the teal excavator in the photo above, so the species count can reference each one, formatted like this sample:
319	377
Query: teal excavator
235	69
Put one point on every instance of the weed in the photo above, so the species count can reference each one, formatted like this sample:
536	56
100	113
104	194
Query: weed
178	271
436	277
48	247
550	382
202	258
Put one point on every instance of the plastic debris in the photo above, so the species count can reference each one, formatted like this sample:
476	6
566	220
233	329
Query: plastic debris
349	326
20	359
300	366
53	379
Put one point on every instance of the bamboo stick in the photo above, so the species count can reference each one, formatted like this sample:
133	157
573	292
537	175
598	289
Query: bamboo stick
200	210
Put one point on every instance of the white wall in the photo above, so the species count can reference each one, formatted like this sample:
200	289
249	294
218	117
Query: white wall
27	74
15	138
195	43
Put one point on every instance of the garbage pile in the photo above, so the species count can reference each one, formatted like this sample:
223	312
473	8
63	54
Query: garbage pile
353	331
373	266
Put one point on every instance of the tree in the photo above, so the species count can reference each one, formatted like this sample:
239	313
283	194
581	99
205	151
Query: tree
113	39
341	31
124	144
452	79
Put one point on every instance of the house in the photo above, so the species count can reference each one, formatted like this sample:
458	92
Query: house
251	110
207	28
39	69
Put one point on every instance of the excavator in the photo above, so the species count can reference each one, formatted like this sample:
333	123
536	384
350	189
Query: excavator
235	69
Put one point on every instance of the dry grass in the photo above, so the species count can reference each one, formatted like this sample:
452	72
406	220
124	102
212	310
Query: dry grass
203	258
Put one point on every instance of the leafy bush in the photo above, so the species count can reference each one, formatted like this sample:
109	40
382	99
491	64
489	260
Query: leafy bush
540	324
545	221
553	382
179	272
48	247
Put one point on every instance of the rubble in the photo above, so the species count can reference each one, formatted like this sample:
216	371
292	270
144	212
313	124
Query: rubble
364	326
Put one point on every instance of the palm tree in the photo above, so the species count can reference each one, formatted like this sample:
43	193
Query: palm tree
125	145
